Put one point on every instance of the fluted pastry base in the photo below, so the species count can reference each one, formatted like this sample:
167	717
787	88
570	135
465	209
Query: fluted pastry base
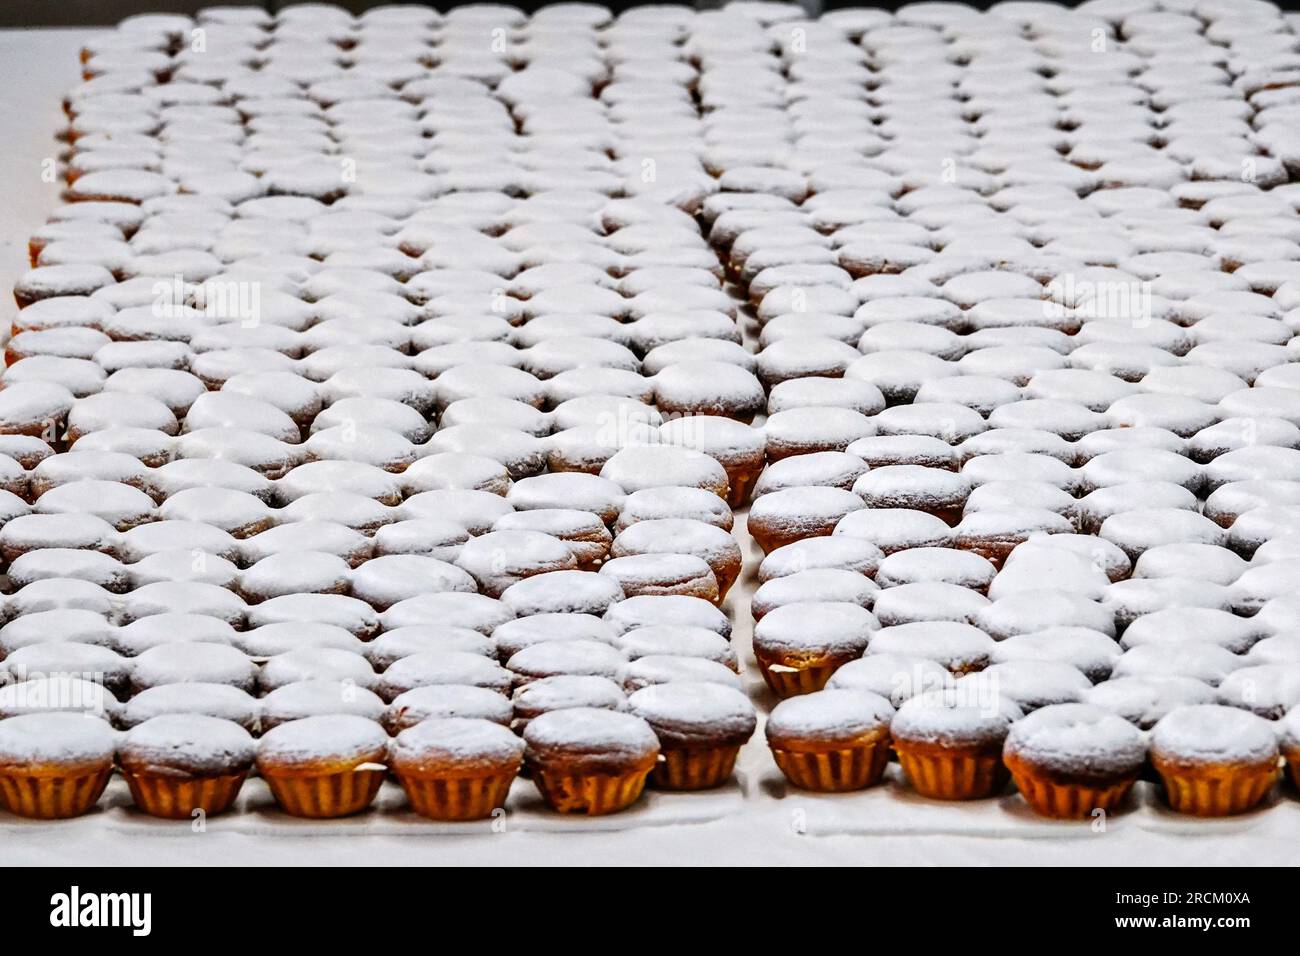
1067	800
835	771
456	798
593	794
952	773
1215	790
52	796
176	798
787	681
695	768
321	796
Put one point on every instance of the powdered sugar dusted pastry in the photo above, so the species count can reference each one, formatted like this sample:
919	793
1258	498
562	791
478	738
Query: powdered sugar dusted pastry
709	388
1204	661
324	766
563	592
859	396
995	534
799	431
654	466
446	700
645	610
456	768
1202	625
590	760
178	763
842	552
832	740
354	616
442	667
212	700
895	529
455	609
584	532
591	493
513	636
950	746
700	729
501	558
681	535
315	663
737	447
935	564
388	579
663	573
895	677
54	765
928	601
193	662
1214	761
830	468
1287	740
799	646
1070	759
817	584
957	646
69	657
562	692
785	516
1030	684
554	658
696	504
1265	690
934	491
1085	390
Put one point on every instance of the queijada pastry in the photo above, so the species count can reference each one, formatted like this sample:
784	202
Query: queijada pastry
439	701
950	744
799	646
54	765
325	766
317	697
1214	760
831	740
176	764
700	731
456	768
590	760
1071	760
470	434
561	692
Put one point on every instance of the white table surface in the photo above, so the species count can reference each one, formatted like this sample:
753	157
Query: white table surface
758	821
